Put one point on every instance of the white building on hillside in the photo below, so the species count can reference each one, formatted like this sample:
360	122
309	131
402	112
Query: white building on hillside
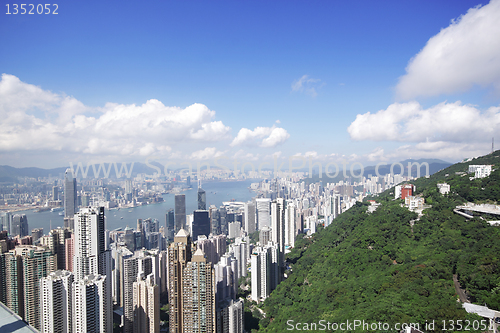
480	171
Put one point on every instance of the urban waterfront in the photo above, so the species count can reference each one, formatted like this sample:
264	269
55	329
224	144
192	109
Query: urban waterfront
217	192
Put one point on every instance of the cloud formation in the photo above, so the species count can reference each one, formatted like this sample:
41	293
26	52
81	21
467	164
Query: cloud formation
307	85
410	122
36	119
207	154
464	54
268	136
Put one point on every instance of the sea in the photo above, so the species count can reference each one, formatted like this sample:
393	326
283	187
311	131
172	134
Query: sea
216	193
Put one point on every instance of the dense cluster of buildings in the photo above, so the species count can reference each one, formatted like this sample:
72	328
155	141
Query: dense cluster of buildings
84	278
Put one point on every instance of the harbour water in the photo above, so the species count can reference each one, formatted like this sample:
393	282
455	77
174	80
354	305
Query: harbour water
216	193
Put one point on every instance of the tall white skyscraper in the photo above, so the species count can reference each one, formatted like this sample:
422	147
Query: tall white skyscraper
92	259
263	215
56	302
278	230
90	253
290	224
265	271
90	313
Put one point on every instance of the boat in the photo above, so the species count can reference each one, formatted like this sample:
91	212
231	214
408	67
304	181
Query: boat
121	218
61	213
56	209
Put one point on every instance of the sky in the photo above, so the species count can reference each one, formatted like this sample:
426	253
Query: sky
252	81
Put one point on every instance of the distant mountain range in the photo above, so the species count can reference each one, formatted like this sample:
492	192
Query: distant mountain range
11	174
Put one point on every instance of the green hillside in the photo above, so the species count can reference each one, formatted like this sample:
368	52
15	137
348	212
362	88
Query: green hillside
379	268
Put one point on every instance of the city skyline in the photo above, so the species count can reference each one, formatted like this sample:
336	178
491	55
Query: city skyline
367	82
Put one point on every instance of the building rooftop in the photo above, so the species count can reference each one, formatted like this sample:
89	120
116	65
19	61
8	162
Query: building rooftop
182	233
11	322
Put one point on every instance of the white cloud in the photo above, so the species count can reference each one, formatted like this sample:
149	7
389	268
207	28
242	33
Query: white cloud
410	122
278	135
270	136
36	119
464	54
376	155
207	153
307	85
245	156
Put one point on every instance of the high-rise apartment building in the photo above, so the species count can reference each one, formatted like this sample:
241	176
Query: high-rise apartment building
180	212
92	258
290	224
198	290
146	302
59	236
141	264
278	229
249	225
179	254
89	245
265	271
170	225
70	199
69	250
230	317
90	307
56	305
263	212
24	267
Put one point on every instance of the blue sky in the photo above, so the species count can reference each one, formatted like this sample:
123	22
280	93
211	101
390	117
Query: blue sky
330	80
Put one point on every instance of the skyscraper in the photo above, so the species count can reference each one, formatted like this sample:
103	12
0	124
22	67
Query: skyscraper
24	266
55	193
263	207
179	254
92	259
146	301
290	224
56	305
202	199
249	224
90	305
170	225
265	269
180	212
201	224
198	290
19	226
278	228
59	236
89	244
70	199
139	265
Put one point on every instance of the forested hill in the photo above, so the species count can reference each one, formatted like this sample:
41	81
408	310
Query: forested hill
379	268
